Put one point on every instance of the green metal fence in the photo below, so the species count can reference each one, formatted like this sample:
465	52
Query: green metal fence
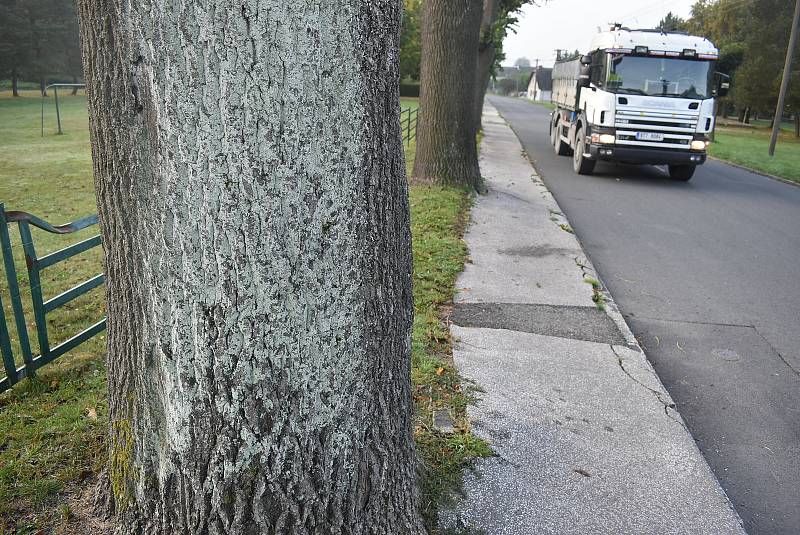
409	119
41	306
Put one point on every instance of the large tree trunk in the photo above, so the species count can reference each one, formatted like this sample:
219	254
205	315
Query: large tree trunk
486	55
446	145
253	205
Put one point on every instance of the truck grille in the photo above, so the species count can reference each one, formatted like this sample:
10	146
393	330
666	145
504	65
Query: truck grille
675	129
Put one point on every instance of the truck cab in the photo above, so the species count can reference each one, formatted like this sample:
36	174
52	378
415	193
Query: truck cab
640	97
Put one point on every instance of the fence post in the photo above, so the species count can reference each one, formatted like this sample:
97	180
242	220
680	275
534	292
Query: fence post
13	290
5	348
58	110
32	262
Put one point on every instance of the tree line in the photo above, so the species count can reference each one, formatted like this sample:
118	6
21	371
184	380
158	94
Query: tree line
752	37
39	42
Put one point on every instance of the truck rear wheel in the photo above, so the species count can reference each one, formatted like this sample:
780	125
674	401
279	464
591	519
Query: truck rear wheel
681	173
560	148
581	164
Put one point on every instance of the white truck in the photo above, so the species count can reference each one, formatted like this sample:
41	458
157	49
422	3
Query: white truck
639	97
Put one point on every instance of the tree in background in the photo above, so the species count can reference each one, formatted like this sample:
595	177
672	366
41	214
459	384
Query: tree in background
254	211
670	23
522	62
444	152
751	36
16	42
39	41
566	55
446	145
766	28
411	40
499	18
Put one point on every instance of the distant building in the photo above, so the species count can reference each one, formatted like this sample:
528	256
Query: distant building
540	84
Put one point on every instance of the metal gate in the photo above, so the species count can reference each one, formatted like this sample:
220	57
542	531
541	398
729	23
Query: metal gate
41	306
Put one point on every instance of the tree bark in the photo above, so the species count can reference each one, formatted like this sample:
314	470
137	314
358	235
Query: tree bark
254	211
486	55
446	146
14	83
797	125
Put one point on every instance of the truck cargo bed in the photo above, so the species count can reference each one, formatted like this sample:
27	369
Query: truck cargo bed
565	84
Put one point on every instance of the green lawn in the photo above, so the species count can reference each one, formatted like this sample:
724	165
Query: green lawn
750	148
52	430
409	102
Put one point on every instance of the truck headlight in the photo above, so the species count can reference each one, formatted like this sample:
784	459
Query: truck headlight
604	139
699	144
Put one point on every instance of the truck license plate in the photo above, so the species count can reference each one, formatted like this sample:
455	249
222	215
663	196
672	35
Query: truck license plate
649	136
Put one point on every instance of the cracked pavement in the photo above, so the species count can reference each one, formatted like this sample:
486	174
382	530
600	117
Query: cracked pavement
587	439
705	273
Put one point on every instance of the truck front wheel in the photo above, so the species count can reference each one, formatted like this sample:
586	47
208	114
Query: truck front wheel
682	173
581	164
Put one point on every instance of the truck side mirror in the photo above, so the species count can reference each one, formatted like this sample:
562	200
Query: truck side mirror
586	60
585	76
723	84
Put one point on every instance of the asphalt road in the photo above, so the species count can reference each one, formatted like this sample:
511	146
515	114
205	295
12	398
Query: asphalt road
705	272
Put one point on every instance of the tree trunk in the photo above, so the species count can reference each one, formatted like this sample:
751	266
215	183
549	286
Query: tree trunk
486	55
43	86
797	125
446	145
74	89
254	212
14	83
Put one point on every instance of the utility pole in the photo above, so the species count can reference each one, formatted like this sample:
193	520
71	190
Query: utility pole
787	70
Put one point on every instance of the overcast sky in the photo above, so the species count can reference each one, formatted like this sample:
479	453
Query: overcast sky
570	24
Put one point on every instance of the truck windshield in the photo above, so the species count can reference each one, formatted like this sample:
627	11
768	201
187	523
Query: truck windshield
663	77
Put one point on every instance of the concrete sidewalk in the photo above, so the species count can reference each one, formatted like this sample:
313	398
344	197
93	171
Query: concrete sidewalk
586	436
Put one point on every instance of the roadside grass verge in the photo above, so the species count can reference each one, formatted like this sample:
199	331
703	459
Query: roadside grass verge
438	217
52	429
750	148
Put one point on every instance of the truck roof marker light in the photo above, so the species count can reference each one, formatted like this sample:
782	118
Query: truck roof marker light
689	52
641	50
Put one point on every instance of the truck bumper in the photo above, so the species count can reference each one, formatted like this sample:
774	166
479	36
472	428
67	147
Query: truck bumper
639	155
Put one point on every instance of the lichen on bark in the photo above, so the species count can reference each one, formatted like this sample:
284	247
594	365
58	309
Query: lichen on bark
254	212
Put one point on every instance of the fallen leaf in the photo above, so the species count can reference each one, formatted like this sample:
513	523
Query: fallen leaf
439	371
91	413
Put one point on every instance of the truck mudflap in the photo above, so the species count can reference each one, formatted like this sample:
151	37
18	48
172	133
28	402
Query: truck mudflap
642	155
